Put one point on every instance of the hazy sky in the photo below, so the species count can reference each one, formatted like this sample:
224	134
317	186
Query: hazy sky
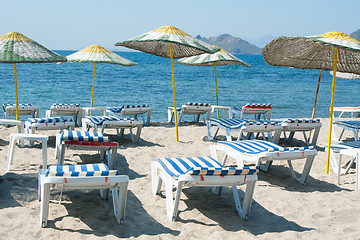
76	24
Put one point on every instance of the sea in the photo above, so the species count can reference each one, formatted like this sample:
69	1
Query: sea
291	91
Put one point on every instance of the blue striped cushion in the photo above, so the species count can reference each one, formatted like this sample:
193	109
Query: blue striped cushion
136	106
353	144
65	105
49	120
98	120
80	170
200	166
198	104
83	136
258	146
238	123
114	109
351	124
11	104
301	120
267	105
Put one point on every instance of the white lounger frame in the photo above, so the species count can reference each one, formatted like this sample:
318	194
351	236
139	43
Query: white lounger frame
159	175
118	185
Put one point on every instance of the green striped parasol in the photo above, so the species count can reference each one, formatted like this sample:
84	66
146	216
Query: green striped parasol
98	54
330	51
169	42
17	48
221	57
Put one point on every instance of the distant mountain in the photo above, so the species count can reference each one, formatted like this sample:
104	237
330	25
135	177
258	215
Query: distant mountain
356	35
232	44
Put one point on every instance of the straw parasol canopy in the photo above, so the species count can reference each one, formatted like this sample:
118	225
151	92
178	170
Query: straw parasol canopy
98	54
221	57
17	48
334	51
169	42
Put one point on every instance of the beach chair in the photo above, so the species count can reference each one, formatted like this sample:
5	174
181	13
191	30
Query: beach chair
51	123
89	141
135	110
351	149
64	110
304	125
353	126
258	110
102	122
177	173
257	152
83	176
246	128
349	111
24	110
192	108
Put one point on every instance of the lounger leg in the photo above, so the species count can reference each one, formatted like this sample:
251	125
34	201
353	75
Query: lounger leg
132	135
315	136
306	171
112	159
342	132
10	152
155	178
61	154
265	167
357	171
249	192
119	201
138	132
44	207
44	153
208	126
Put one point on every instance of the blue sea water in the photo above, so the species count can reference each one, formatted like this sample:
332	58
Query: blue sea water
291	91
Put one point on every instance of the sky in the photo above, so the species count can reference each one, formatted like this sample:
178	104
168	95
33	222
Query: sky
76	24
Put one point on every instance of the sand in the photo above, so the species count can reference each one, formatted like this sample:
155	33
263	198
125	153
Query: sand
281	209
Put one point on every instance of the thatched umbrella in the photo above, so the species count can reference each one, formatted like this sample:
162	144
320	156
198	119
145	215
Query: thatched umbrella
17	48
221	57
330	51
98	54
169	42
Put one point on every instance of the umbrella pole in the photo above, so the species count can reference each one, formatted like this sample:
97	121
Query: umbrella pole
331	109
93	87
315	102
216	88
174	94
16	94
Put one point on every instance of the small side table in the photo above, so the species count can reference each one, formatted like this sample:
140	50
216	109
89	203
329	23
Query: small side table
31	137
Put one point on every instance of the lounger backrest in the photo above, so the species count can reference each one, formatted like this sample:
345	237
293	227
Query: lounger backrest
238	123
115	109
198	104
257	146
257	106
301	120
136	106
65	106
83	136
11	104
199	166
80	170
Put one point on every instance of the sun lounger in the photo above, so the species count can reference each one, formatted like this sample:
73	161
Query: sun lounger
102	122
64	110
244	127
89	141
257	151
191	108
135	110
177	173
293	125
51	123
24	109
349	111
353	126
83	176
253	108
348	149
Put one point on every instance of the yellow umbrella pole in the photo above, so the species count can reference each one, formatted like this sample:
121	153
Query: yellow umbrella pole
315	102
93	87
331	109
16	94
174	94
216	88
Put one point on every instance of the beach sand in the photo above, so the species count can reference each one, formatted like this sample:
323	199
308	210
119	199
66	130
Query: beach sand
281	209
